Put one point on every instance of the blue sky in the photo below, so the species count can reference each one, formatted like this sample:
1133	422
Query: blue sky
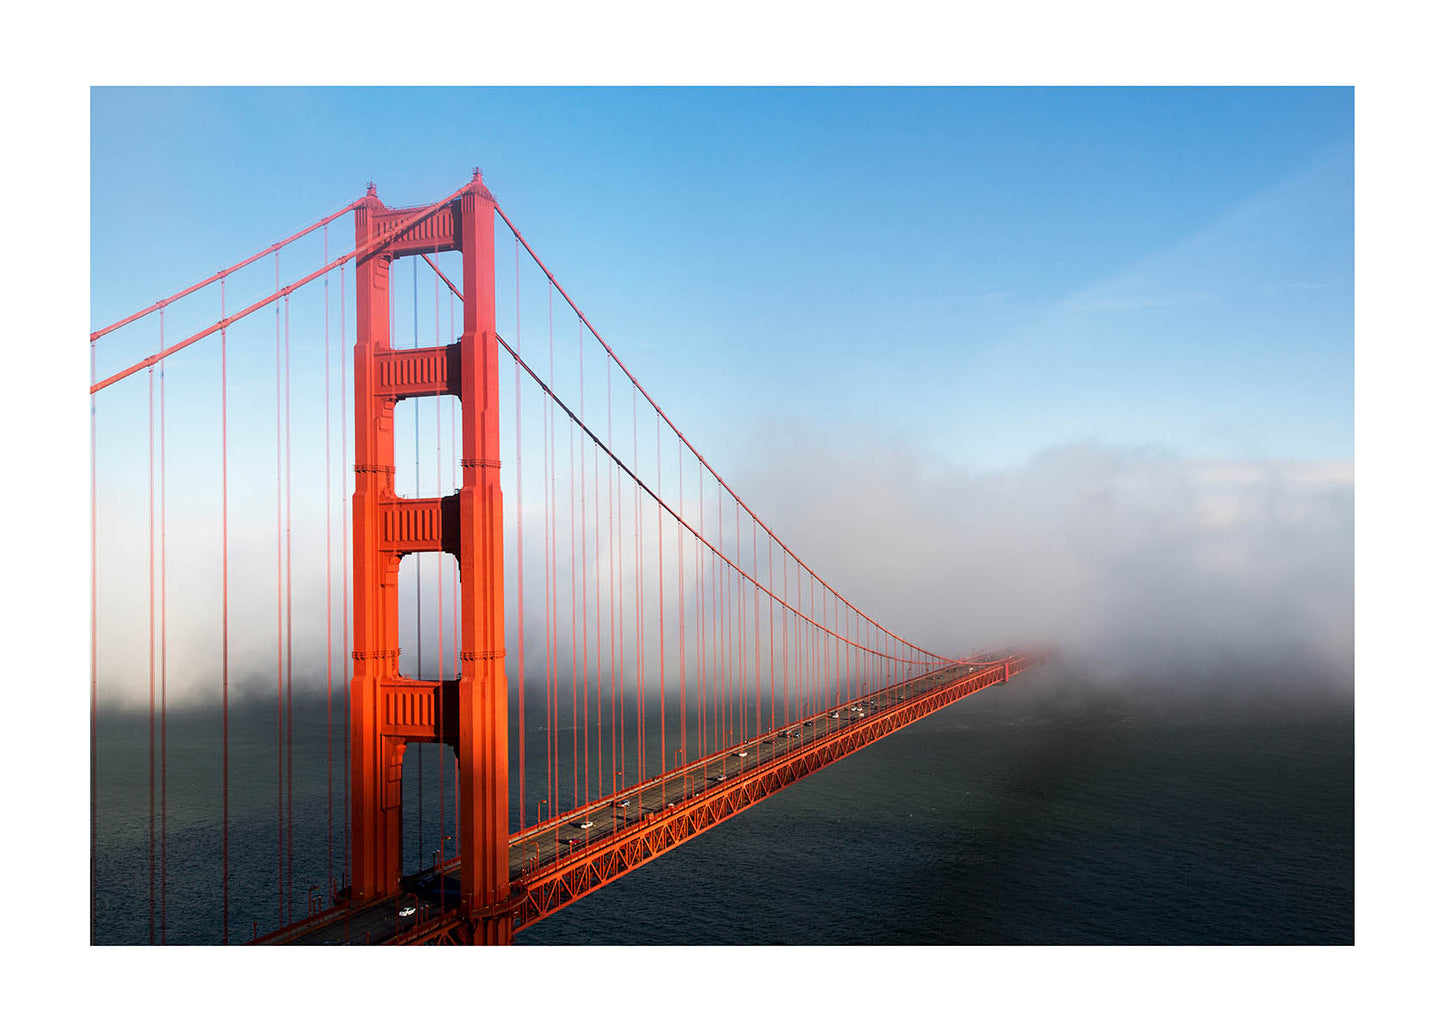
984	273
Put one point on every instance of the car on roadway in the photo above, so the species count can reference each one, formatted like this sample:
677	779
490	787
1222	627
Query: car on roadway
407	910
721	777
741	752
584	825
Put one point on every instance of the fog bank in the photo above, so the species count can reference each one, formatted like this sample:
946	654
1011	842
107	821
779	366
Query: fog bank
1142	565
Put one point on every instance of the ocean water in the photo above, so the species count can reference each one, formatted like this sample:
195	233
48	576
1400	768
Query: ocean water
1029	813
1049	810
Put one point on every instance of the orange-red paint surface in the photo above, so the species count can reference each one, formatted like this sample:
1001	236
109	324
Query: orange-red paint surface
388	710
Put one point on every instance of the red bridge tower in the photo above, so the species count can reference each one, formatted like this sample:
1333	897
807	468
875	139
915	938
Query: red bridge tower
387	710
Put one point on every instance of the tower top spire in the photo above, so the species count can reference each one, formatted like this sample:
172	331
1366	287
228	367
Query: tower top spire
476	185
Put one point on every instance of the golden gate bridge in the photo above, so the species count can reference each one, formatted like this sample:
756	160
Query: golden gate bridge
686	662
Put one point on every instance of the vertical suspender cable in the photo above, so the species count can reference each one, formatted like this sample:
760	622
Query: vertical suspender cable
720	690
612	623
597	607
786	618
225	654
700	595
699	592
830	665
735	614
521	622
572	595
661	635
556	621
792	706
596	604
554	710
330	624
746	590
94	643
641	773
164	652
723	574
757	645
805	645
850	628
735	641
741	626
731	682
723	614
548	515
802	642
804	648
732	589
681	622
554	787
582	481
706	594
793	647
280	653
290	723
151	613
345	594
825	664
546	725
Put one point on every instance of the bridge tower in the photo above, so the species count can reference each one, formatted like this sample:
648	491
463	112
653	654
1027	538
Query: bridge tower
389	711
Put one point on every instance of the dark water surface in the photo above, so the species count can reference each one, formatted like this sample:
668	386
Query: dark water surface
1042	811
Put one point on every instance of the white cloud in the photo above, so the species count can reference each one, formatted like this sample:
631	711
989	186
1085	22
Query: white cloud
1142	563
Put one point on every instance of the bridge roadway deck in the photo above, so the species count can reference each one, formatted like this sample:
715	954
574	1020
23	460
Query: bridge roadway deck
435	894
